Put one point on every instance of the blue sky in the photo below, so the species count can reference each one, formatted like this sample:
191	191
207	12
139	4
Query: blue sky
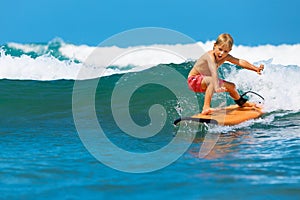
91	21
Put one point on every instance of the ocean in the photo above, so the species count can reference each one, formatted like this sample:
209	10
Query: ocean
72	129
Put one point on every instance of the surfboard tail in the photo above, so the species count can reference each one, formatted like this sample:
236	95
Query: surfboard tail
199	120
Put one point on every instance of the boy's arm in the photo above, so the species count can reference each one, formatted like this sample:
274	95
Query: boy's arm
214	74
245	64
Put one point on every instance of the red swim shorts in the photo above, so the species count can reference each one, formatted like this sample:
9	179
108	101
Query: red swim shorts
194	83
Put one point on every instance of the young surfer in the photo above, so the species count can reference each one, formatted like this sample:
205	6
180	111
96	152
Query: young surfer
203	77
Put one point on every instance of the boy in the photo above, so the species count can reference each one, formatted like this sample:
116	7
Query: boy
203	77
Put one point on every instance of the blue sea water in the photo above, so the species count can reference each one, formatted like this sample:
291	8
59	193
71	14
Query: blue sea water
44	155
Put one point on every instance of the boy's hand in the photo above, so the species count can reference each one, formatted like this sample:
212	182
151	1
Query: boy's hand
260	69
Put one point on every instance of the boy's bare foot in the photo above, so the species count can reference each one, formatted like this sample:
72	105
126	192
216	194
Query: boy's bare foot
207	111
249	104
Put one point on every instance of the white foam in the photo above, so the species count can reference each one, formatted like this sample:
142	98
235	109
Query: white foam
278	84
80	52
27	48
282	54
41	68
145	58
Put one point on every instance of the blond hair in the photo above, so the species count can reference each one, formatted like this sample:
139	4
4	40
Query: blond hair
225	39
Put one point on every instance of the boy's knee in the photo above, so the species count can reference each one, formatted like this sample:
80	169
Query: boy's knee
231	86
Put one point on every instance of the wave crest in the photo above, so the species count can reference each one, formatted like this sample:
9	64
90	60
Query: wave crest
59	60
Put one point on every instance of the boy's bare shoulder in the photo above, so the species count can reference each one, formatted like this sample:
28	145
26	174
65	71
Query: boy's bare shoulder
206	56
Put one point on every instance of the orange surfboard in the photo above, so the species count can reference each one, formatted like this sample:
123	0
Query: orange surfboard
228	116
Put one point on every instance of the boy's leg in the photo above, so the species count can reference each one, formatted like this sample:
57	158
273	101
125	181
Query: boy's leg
208	95
231	89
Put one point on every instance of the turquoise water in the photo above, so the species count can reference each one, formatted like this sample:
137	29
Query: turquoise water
43	155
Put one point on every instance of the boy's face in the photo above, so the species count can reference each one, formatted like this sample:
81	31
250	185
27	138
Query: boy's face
221	51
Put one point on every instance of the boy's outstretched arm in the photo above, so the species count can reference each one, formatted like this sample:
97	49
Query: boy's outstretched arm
245	64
